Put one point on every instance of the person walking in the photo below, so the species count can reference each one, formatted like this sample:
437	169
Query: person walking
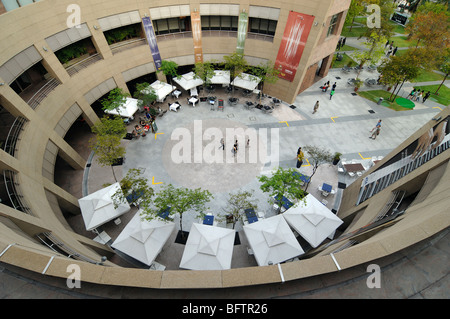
411	94
419	95
331	93
426	96
339	44
376	130
300	157
395	51
326	86
222	144
334	86
343	41
316	107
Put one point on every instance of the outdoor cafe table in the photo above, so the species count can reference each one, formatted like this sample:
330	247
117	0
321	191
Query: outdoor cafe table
193	100
326	187
251	215
208	220
174	106
286	203
354	167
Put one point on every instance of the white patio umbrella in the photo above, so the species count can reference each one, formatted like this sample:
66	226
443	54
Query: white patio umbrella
98	208
142	239
246	81
162	89
312	220
221	77
128	109
188	81
208	248
272	240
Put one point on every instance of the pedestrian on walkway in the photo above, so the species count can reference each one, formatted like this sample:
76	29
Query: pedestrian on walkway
375	132
387	43
235	149
339	44
411	94
334	86
331	93
426	96
300	157
395	51
343	41
419	95
316	107
222	144
326	86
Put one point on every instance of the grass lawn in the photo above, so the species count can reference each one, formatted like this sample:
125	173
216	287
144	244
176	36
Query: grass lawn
356	31
340	64
443	96
376	94
347	48
403	42
426	76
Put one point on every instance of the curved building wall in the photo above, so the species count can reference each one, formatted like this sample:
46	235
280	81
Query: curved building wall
27	37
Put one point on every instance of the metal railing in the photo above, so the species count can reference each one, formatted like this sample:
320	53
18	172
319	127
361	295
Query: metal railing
43	92
174	36
125	45
260	36
219	33
83	64
14	135
13	190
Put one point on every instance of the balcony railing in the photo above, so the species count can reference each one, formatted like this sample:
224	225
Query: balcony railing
125	45
174	36
43	92
260	36
13	135
219	33
80	65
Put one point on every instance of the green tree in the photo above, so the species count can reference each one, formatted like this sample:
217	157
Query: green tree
204	71
284	183
169	69
145	94
178	201
108	150
237	203
267	73
316	157
116	98
236	64
135	189
108	126
444	67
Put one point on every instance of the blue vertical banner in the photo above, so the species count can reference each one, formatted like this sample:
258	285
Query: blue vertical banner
151	39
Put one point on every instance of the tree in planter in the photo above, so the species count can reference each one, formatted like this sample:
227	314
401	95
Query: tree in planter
284	183
236	64
178	201
204	71
237	204
134	189
317	156
110	126
267	73
116	98
336	158
108	150
169	69
145	94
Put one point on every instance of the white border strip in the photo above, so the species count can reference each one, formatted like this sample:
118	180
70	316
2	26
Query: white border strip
335	261
4	251
48	265
281	273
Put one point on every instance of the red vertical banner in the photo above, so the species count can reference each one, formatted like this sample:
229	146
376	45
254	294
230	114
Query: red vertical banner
197	35
292	44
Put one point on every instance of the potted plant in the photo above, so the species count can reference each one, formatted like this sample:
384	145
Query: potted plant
336	158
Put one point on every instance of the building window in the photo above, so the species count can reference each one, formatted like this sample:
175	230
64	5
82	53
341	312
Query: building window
227	23
14	4
262	26
332	29
172	25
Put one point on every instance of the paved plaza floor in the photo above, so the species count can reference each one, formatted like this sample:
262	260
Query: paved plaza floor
341	124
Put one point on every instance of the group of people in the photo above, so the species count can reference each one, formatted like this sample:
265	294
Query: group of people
391	49
145	124
341	43
416	95
326	86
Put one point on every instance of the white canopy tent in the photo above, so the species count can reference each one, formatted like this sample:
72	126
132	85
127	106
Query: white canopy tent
272	240
162	89
126	110
98	208
313	220
208	248
188	81
246	81
221	77
142	239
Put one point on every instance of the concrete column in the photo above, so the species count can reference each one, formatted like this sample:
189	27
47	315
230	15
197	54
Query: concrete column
51	62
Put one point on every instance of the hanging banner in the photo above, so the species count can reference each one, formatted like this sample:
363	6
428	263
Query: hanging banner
242	32
292	44
197	35
151	39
